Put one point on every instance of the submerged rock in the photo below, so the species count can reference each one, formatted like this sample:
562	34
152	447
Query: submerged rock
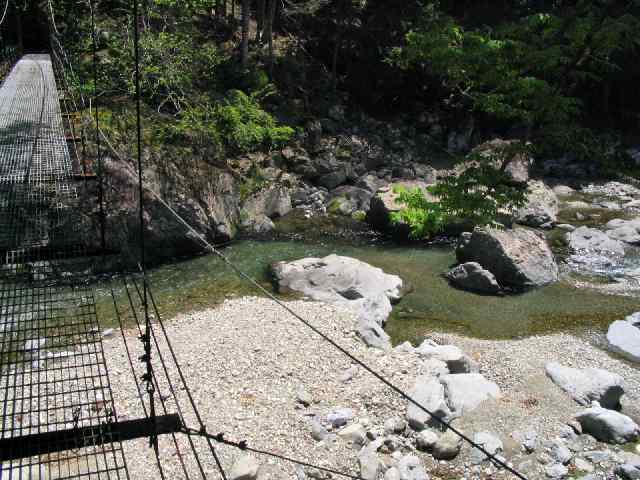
518	258
586	239
471	276
627	231
588	385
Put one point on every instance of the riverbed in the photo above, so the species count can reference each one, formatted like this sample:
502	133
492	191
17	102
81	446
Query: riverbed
432	306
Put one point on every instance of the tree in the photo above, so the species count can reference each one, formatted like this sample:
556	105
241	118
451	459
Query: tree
244	44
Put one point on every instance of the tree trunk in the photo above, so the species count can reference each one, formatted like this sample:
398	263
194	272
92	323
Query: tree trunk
260	13
244	46
269	32
19	37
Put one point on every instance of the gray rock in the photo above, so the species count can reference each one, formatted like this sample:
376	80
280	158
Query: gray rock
608	425
471	276
528	439
583	465
426	439
370	183
273	202
560	453
344	281
556	470
566	227
410	468
518	258
541	207
392	474
598	456
395	425
340	417
354	433
627	231
348	199
245	468
588	385
428	392
586	239
466	391
490	442
318	432
447	447
563	190
455	359
370	465
404	347
259	224
624	338
304	397
628	471
373	335
333	179
432	367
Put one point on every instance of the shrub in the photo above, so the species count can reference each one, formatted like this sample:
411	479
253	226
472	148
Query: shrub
479	194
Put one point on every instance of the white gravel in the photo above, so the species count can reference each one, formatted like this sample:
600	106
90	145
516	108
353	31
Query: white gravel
246	361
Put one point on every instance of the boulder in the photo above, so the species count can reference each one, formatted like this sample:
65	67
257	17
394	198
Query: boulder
426	439
392	474
340	417
355	434
518	258
624	338
627	231
456	360
348	199
471	276
447	447
556	471
272	202
369	182
628	471
370	465
541	208
428	392
410	468
260	224
608	425
590	240
490	442
384	202
466	391
333	179
560	453
372	334
245	468
344	281
588	385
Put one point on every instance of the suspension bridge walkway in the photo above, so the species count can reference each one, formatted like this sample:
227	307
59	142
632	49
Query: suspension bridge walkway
54	377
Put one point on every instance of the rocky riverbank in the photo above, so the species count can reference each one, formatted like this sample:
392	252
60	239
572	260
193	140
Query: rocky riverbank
258	374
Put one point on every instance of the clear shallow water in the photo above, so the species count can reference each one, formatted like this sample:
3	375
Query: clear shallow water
432	306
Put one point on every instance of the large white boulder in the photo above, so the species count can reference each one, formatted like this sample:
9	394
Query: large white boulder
624	337
588	385
608	425
466	391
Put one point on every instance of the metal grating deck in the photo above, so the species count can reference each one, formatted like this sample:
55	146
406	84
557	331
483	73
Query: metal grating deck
53	374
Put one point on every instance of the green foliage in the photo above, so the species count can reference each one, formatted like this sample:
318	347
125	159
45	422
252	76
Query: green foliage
424	218
253	182
479	194
245	126
535	69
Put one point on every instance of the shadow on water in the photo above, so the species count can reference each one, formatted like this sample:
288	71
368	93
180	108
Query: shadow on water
433	305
